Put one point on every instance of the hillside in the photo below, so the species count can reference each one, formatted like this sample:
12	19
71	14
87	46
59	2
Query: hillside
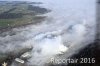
18	13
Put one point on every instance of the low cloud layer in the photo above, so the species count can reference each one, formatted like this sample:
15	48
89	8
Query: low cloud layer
67	28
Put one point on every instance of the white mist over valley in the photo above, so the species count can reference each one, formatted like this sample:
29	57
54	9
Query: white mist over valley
69	27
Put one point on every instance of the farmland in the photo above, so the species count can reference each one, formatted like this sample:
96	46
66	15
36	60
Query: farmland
18	13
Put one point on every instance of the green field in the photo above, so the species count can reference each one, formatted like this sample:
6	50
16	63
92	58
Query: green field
17	14
21	21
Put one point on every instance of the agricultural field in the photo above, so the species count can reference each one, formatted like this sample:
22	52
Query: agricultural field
20	13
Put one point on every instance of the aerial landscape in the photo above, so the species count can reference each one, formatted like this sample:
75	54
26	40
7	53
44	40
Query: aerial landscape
16	13
49	33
